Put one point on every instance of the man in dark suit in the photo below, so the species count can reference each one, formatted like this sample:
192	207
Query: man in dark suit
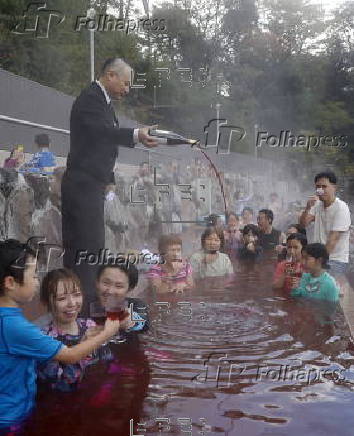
94	139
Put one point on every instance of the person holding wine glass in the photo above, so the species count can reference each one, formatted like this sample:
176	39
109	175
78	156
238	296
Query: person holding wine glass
22	343
114	282
289	271
62	295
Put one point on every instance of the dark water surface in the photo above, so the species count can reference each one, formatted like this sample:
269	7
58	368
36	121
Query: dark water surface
236	361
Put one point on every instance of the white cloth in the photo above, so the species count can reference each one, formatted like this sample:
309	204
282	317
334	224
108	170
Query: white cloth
110	196
336	218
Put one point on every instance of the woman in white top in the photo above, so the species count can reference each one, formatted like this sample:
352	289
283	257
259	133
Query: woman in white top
209	262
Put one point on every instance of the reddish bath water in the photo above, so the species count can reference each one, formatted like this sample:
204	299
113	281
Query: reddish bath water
241	361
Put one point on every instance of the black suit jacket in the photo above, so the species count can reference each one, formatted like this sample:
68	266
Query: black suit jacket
95	135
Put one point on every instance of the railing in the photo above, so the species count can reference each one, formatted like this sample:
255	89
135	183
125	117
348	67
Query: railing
32	124
67	132
56	129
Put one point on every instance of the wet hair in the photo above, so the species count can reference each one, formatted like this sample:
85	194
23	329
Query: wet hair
14	257
229	214
268	213
49	286
249	209
298	237
250	228
318	251
299	228
129	269
211	231
42	140
326	175
166	241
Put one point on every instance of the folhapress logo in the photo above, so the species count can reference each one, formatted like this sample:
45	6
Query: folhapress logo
287	139
37	19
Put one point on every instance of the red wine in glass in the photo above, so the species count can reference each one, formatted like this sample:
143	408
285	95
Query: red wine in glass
97	313
99	320
116	308
117	314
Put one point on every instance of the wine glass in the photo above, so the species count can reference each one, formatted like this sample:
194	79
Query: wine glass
98	314
116	309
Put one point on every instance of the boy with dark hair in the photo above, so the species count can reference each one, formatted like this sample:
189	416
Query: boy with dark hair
269	237
22	344
316	283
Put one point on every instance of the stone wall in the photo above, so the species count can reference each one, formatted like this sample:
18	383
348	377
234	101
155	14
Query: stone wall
30	205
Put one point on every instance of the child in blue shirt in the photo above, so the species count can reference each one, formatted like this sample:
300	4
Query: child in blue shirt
22	344
316	283
44	160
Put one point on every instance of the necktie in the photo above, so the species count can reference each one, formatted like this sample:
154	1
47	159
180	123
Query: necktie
115	122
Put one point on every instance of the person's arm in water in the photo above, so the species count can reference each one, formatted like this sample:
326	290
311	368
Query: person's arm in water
78	352
306	218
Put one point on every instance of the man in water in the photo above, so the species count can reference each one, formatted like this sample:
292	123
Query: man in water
331	217
269	237
94	139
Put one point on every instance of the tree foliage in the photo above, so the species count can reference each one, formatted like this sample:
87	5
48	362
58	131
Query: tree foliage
277	64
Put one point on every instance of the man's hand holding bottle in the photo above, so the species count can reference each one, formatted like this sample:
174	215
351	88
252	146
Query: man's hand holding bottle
146	139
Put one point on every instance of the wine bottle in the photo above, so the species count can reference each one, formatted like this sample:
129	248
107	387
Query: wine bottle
167	137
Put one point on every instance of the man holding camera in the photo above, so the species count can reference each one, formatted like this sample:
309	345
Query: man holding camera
94	139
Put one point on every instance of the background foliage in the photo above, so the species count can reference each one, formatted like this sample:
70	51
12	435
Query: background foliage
277	64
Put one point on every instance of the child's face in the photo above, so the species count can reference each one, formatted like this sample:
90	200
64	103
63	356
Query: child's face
24	293
67	303
310	264
294	247
173	253
249	238
212	242
112	281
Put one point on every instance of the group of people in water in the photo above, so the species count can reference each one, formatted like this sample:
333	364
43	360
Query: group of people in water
65	344
301	268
